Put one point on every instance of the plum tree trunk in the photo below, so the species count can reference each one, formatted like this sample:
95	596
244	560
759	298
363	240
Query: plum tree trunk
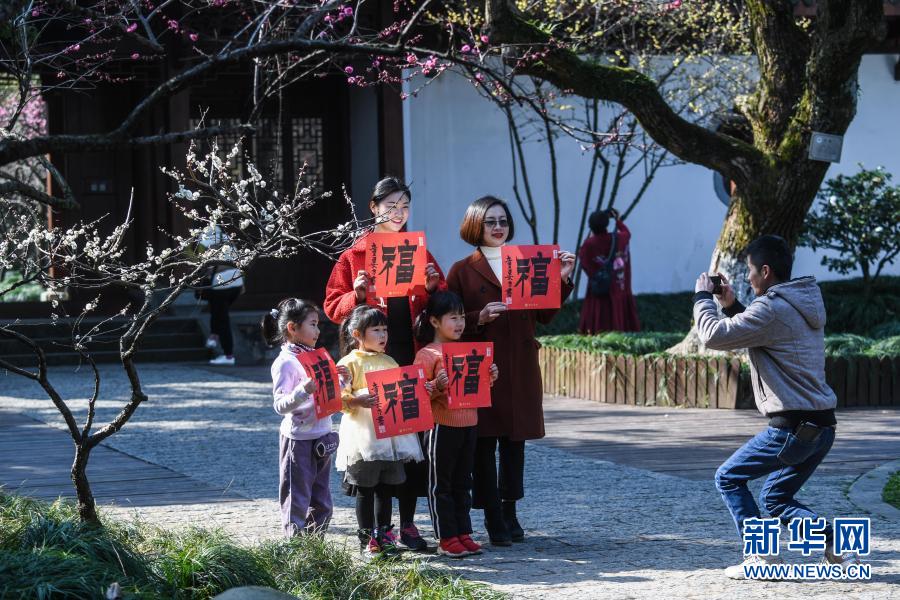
87	507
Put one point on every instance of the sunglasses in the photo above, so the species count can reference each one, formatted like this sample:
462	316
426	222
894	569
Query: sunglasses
490	224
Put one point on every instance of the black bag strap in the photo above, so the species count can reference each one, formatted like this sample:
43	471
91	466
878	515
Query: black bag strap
612	249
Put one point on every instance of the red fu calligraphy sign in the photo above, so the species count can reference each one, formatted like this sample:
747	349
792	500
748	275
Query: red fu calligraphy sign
531	278
404	405
468	366
396	263
321	368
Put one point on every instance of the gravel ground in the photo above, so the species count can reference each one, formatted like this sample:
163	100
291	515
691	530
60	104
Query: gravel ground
596	529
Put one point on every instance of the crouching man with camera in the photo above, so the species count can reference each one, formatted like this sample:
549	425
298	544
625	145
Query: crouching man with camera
783	329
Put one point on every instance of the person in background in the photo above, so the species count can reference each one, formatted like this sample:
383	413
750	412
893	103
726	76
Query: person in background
605	257
225	285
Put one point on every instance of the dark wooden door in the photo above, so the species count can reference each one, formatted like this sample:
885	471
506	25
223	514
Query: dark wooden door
308	124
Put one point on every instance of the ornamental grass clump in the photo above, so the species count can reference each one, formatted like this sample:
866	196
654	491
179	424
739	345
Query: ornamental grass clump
46	551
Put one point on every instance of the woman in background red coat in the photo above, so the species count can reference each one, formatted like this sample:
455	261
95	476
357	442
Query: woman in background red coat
617	310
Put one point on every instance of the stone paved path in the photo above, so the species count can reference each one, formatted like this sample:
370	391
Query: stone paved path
598	529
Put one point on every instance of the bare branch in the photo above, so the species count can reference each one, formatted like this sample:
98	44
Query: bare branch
41	378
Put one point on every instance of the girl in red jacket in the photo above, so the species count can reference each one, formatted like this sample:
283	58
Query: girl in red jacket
347	288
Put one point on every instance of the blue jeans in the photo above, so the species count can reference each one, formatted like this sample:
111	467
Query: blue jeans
787	461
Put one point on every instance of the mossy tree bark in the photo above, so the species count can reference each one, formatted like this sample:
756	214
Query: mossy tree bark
808	82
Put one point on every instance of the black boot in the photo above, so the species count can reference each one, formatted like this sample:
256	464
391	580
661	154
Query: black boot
516	533
497	532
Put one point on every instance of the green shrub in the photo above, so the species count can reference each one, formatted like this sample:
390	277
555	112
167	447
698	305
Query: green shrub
565	321
848	308
616	342
886	347
889	329
648	342
30	292
858	220
665	312
200	563
309	567
891	493
657	312
45	552
846	344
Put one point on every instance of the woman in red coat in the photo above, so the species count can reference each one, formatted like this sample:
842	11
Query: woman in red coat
348	287
516	413
616	310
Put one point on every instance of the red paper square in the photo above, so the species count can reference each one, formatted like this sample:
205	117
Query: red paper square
470	374
395	263
404	405
319	365
531	277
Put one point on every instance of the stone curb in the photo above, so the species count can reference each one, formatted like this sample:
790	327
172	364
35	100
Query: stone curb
866	491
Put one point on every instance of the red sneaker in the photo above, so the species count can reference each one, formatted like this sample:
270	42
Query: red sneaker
471	545
453	548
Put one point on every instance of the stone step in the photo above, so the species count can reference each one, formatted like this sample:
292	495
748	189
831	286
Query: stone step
40	328
150	341
169	339
181	355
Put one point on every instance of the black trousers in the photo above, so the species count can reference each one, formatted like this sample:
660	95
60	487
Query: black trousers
451	454
220	302
373	506
489	489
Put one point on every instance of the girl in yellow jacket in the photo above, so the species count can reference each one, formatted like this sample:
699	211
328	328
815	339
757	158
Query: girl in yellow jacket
371	466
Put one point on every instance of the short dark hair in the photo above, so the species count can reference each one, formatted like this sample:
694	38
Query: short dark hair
439	304
472	228
598	221
772	250
388	186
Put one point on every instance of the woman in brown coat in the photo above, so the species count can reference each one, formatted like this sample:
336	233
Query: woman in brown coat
516	413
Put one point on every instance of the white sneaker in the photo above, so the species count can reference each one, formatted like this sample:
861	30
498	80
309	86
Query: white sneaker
211	343
223	360
737	571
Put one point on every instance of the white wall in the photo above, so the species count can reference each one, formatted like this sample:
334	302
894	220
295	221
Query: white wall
457	149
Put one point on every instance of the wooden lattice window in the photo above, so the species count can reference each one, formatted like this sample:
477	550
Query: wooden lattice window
278	148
